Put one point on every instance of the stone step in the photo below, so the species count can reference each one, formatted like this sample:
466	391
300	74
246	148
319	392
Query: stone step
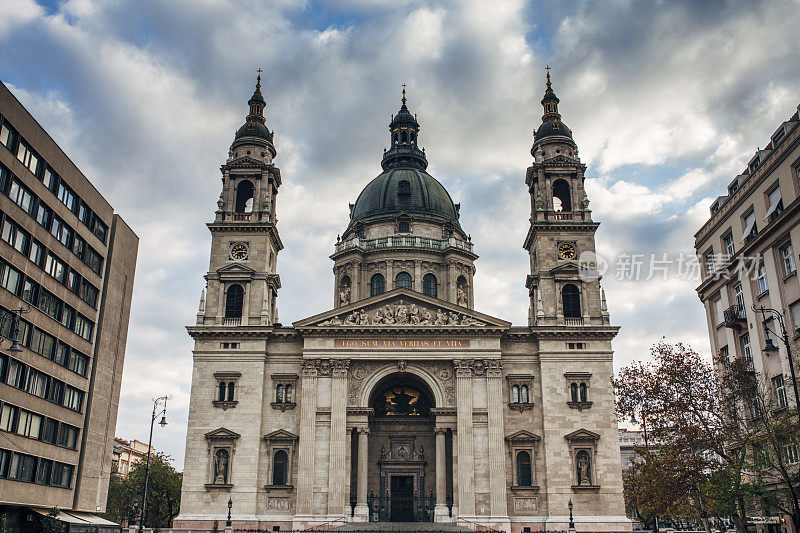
427	527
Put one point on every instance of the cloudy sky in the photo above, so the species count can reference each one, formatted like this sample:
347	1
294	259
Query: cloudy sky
667	102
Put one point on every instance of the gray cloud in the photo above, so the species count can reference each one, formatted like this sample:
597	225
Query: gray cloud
145	97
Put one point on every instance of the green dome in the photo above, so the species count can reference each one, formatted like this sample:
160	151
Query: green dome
398	190
253	129
552	127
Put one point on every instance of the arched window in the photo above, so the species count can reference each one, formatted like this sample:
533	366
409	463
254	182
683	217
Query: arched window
279	394
244	197
233	301
404	188
524	477
523	394
221	395
377	285
571	298
583	392
515	394
230	391
280	462
288	394
404	136
573	389
403	281
429	285
561	196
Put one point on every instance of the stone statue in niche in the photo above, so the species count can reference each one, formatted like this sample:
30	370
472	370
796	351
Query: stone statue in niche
461	297
344	296
584	470
221	467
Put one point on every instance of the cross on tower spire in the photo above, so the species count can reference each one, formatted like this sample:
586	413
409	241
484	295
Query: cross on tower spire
404	94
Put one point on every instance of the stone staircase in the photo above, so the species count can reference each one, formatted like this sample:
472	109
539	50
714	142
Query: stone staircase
407	527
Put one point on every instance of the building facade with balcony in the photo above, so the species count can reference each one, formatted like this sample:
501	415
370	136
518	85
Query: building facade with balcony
749	255
126	454
402	402
67	264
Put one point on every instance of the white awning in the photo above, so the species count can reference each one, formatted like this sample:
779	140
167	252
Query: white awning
61	516
774	200
750	222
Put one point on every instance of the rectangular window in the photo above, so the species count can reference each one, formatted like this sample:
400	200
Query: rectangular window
36	253
37	383
750	228
787	259
42	343
93	260
730	248
738	295
790	451
745	340
14	235
50	431
67	436
718	309
73	398
780	391
16	373
763	286
62	354
66	196
49	304
775	204
30	424
78	246
5	459
20	195
6	136
68	317
62	475
55	393
711	266
23	467
89	293
43	471
10	279
48	178
43	215
27	157
55	267
7	417
83	327
100	230
78	363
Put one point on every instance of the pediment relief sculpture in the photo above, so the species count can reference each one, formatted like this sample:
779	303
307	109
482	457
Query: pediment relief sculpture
402	314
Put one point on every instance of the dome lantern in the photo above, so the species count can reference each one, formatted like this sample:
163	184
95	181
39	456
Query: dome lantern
404	150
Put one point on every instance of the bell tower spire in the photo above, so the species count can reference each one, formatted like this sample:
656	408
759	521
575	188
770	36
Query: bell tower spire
404	130
257	103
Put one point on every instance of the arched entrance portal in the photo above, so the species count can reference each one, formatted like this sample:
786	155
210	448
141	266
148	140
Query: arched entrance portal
401	465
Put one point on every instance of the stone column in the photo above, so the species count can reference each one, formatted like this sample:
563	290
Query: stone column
454	451
440	511
497	469
308	438
337	470
361	513
466	451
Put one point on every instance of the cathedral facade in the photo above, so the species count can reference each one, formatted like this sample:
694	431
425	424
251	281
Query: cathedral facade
403	402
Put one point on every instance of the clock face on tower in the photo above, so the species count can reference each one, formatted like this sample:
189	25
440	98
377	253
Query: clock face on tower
566	250
239	251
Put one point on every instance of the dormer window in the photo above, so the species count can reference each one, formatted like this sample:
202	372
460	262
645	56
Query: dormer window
778	135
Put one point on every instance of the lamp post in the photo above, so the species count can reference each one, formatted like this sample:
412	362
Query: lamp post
162	423
230	504
24	308
770	347
571	522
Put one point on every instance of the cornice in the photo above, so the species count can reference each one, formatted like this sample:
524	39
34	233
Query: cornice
248	227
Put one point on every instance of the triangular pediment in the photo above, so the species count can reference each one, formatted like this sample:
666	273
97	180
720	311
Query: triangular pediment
235	268
281	434
402	308
582	434
523	436
567	269
560	159
246	161
222	434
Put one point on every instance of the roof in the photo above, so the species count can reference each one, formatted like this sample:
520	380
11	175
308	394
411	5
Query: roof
423	194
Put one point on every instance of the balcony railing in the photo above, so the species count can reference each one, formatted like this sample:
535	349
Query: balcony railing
573	321
231	321
735	316
560	215
242	217
404	241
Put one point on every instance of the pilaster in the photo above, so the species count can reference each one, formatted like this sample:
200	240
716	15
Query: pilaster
466	451
308	430
337	471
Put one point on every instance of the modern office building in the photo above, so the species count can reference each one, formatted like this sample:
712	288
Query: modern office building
67	264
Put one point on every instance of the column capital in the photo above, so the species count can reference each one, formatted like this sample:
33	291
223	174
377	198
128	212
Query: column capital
310	368
494	368
339	367
362	431
440	430
463	368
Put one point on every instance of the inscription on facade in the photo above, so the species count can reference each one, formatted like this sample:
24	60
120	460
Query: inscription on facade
526	504
400	343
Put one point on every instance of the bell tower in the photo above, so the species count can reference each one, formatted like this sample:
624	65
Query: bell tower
564	285
242	283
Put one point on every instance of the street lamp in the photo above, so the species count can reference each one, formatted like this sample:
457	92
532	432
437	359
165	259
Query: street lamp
571	523
24	308
770	347
230	504
162	423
